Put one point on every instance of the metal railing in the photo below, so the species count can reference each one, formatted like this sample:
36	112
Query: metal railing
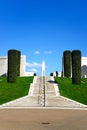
42	95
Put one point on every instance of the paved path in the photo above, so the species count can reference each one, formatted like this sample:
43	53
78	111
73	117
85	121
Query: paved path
36	96
49	118
43	119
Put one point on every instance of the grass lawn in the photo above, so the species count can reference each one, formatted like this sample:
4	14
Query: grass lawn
75	92
11	91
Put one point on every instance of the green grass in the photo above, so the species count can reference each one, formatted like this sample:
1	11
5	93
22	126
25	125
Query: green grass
11	91
75	92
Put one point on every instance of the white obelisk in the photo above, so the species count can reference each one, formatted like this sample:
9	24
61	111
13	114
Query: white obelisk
43	68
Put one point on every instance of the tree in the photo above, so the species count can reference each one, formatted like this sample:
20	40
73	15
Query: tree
76	67
13	65
67	63
18	62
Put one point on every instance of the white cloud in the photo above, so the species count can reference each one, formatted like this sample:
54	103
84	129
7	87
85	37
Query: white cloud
33	67
48	52
33	70
37	52
34	64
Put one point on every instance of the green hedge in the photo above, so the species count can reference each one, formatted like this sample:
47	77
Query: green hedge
67	63
76	67
13	65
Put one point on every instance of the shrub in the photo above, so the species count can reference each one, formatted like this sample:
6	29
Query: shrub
51	74
35	74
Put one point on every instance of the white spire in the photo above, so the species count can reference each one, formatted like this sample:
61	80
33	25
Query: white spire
43	68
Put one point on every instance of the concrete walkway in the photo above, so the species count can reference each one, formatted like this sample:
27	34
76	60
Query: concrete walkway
43	119
51	117
36	96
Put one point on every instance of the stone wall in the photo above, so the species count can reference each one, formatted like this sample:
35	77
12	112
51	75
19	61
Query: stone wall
84	66
23	66
4	65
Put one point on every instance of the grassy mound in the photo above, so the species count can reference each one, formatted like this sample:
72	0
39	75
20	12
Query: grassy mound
11	91
72	91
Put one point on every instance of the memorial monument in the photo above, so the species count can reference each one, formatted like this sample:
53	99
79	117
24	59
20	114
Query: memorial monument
43	68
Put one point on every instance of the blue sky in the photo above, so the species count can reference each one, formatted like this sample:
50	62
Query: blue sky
42	30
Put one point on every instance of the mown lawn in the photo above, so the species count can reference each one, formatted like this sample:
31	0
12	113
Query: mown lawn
11	91
75	92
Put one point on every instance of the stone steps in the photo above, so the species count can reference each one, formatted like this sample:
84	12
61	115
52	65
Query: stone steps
36	96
